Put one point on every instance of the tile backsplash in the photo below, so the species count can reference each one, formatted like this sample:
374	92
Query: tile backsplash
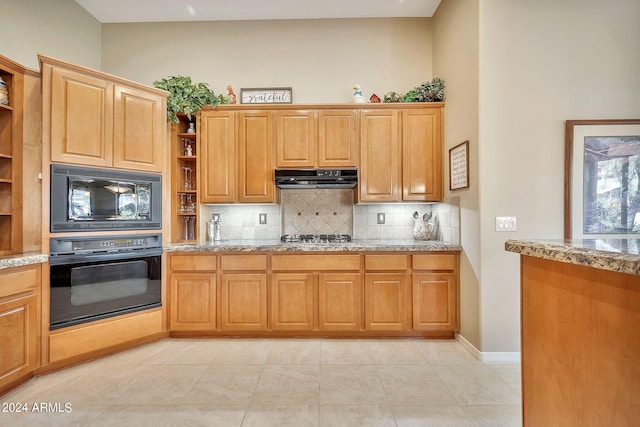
319	211
331	211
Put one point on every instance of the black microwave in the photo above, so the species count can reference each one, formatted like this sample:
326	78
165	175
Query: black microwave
93	199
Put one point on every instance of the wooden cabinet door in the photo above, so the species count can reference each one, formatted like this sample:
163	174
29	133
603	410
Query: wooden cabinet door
192	302
292	301
255	157
380	156
337	138
422	155
139	129
296	138
435	302
216	158
386	301
243	302
340	302
81	118
18	335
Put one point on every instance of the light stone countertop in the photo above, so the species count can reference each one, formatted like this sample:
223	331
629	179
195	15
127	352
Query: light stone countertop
620	255
278	246
19	260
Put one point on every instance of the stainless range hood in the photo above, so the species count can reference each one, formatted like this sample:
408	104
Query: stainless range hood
316	178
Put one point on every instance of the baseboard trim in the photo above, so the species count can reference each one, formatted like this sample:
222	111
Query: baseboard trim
489	356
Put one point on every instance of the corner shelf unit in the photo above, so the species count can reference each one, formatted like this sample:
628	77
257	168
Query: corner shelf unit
184	199
11	133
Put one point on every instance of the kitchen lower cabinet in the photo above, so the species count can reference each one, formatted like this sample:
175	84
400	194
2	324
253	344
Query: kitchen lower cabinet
19	331
292	302
387	296
386	301
243	300
435	293
339	302
314	294
193	302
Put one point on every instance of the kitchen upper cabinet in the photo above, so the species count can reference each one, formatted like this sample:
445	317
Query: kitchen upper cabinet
380	156
255	157
401	154
217	183
316	138
138	129
96	119
422	155
338	138
296	138
19	330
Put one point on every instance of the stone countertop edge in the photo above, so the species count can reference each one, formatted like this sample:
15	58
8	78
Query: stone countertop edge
575	253
278	246
20	260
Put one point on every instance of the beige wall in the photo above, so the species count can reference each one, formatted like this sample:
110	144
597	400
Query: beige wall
455	59
321	59
60	28
541	62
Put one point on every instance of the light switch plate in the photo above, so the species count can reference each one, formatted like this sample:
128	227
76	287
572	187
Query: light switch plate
262	218
506	223
380	217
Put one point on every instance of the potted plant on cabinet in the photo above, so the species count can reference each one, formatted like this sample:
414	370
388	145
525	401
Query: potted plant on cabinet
186	97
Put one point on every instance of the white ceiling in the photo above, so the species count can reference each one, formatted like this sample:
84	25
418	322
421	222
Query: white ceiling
113	11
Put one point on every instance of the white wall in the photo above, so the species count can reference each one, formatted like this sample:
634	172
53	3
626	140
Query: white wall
541	62
321	59
455	59
61	29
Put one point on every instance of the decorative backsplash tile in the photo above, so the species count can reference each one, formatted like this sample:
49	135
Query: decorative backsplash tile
320	211
242	221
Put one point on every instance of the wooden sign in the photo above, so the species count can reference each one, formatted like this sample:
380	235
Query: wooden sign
459	166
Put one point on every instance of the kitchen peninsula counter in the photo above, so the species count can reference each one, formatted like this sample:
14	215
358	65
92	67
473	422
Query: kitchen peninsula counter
19	260
580	341
619	255
278	246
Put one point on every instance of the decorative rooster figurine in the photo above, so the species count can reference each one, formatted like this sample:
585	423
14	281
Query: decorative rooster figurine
232	95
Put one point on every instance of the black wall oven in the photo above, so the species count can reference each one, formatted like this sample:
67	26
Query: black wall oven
94	277
93	199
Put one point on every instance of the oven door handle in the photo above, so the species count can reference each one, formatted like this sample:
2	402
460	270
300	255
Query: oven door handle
81	258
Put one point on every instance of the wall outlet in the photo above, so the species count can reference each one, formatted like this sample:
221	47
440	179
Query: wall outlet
380	216
262	218
506	223
215	216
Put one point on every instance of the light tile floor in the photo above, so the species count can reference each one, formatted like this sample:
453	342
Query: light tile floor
274	382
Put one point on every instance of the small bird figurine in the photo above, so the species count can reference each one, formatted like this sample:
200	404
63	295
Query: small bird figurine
232	95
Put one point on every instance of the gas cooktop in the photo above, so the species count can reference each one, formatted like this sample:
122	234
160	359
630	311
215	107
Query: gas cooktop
315	238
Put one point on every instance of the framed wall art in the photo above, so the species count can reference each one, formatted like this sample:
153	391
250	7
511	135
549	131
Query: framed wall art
269	95
602	179
459	166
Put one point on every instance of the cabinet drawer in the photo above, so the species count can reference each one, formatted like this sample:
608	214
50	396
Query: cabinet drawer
434	262
192	262
386	262
19	279
243	262
323	262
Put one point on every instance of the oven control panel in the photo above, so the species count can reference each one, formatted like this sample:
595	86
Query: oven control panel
103	243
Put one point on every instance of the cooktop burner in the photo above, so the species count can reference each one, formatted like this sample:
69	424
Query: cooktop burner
316	238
